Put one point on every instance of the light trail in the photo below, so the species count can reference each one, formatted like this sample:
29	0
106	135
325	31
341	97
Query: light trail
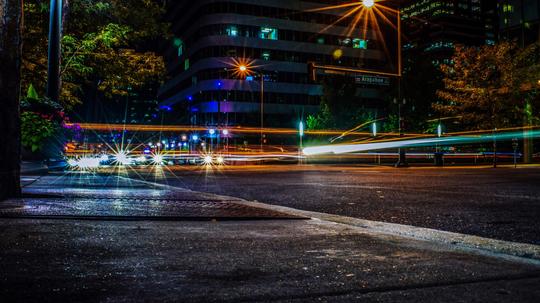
231	130
485	131
457	140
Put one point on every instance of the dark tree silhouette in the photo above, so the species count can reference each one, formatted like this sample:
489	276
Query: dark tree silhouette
11	20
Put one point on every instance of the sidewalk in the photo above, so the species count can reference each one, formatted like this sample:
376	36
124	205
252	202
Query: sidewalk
33	168
163	255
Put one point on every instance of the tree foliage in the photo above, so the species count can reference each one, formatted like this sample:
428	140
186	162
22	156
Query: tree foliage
322	120
490	86
104	47
340	106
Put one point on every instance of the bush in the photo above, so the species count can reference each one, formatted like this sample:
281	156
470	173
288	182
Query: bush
35	130
41	120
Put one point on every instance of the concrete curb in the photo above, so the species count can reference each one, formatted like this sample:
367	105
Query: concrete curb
521	252
511	251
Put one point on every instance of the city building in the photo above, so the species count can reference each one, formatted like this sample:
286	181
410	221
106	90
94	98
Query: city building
519	20
139	107
434	27
278	39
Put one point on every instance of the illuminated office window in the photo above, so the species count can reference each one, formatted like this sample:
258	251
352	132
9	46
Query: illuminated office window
359	43
232	31
268	33
179	44
266	55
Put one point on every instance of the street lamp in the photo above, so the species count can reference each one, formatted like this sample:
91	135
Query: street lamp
368	3
301	135
245	70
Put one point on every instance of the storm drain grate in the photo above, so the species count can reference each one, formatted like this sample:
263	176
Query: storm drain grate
135	209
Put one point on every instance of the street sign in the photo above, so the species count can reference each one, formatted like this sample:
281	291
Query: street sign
372	80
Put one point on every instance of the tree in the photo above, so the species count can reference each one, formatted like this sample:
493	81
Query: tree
339	106
10	73
487	86
104	47
322	120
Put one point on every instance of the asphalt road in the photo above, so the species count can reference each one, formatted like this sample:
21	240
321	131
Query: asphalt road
501	203
101	253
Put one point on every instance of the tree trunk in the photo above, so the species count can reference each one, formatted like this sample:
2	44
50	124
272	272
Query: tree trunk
11	20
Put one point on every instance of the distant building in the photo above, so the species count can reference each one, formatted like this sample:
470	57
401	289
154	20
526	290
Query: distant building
434	27
140	107
519	20
281	37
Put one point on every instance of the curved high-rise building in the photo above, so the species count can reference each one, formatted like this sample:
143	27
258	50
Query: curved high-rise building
278	38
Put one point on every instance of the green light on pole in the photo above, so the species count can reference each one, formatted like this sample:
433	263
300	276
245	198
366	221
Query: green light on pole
301	129
439	130
374	129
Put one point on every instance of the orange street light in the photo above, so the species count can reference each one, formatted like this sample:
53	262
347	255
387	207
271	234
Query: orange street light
242	68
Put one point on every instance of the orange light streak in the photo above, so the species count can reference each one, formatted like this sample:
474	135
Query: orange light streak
232	130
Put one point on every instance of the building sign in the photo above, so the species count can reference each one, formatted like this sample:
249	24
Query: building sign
372	80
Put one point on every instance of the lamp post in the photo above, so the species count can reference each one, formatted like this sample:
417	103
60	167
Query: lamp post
402	160
371	4
243	70
55	37
301	136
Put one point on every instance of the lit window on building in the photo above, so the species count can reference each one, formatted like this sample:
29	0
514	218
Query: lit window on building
232	31
179	44
508	8
265	55
345	42
359	43
320	40
439	45
268	33
186	64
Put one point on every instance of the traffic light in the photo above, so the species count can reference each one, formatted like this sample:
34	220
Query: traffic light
312	72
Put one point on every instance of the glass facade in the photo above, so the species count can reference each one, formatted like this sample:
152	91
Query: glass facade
434	27
519	20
